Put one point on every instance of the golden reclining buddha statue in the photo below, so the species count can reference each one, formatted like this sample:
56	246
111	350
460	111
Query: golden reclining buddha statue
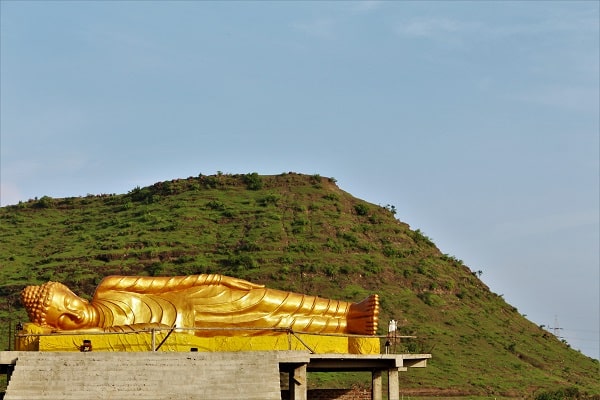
126	303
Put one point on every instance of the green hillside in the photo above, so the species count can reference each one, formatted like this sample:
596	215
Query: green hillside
300	233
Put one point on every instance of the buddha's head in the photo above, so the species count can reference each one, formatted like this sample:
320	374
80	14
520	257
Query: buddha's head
55	305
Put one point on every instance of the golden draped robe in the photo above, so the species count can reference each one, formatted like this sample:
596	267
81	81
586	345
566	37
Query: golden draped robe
213	301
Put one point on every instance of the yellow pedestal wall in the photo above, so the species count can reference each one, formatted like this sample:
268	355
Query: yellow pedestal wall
35	338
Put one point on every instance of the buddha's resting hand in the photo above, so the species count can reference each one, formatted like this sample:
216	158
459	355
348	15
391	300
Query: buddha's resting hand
236	283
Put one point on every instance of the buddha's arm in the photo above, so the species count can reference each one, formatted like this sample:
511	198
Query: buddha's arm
149	285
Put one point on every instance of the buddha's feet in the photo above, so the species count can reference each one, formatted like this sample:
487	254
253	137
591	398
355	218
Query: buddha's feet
363	317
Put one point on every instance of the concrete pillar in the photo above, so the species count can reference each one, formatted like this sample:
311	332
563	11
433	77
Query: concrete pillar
393	384
376	385
297	383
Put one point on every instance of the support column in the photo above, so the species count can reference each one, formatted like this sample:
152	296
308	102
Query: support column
297	383
376	385
393	384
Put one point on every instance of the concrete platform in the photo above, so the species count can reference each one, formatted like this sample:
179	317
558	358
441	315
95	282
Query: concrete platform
188	375
298	364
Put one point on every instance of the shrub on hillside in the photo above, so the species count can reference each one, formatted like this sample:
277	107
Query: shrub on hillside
571	393
271	198
361	209
215	205
45	202
141	195
253	181
431	299
331	197
240	262
155	269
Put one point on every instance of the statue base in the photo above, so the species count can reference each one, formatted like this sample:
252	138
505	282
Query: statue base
35	338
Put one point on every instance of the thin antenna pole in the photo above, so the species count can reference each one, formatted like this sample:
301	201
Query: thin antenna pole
10	334
556	329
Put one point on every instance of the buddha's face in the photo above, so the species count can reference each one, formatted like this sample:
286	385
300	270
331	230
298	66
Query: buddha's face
67	310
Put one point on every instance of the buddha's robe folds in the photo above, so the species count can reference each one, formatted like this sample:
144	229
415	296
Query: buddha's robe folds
213	301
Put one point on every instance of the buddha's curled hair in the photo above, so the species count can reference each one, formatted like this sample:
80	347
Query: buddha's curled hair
37	299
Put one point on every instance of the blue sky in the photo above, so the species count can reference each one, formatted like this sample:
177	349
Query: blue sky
478	121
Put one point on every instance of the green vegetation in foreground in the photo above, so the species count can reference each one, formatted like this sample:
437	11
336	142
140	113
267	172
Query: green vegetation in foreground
300	233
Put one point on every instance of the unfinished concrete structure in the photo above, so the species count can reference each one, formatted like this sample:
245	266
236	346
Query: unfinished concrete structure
187	375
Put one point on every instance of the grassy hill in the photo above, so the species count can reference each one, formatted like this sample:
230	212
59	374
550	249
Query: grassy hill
300	233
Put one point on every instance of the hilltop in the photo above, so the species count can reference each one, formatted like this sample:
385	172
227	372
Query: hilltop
300	233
